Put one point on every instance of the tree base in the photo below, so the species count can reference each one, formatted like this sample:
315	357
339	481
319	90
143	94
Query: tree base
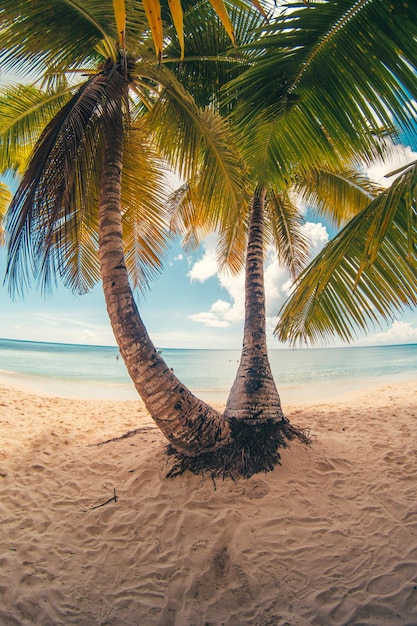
255	448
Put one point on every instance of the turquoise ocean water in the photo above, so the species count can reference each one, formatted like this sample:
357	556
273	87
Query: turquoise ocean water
309	374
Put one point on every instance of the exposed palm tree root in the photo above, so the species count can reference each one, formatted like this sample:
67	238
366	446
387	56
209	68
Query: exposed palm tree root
255	448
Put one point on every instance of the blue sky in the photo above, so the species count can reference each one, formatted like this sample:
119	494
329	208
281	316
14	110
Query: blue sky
189	305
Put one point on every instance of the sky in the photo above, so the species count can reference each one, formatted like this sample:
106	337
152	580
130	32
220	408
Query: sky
190	305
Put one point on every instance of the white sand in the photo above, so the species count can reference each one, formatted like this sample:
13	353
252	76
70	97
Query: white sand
329	538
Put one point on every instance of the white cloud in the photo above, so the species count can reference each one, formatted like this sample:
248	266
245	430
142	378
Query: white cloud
276	279
176	259
235	287
400	156
318	236
206	267
216	317
223	314
400	332
277	282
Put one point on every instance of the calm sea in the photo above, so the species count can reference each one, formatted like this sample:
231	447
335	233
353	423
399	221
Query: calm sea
96	371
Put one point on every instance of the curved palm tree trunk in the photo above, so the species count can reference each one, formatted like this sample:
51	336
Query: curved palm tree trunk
189	424
254	394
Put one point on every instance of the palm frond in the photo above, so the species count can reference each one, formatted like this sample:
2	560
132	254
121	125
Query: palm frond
284	221
337	195
5	197
232	244
146	233
81	27
197	141
210	60
186	216
340	69
163	23
364	276
275	147
25	110
52	209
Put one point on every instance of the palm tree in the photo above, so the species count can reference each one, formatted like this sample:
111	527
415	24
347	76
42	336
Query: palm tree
340	72
348	70
253	405
72	200
338	195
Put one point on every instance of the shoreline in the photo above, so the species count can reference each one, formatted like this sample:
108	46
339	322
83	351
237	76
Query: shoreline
302	394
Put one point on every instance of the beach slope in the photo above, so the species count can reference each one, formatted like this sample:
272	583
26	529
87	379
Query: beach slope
96	535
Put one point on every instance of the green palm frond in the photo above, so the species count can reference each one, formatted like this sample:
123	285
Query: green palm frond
198	142
81	27
72	254
284	221
365	275
334	72
53	206
210	60
146	233
337	195
186	216
25	110
274	147
232	245
91	25
191	219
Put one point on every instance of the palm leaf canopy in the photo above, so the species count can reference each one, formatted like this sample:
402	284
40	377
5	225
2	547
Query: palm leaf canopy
336	195
365	275
52	220
123	15
313	165
329	76
332	79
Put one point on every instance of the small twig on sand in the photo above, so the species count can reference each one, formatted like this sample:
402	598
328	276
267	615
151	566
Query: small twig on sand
112	499
130	433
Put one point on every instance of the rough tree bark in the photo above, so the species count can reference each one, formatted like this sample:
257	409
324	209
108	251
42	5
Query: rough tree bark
258	426
254	394
189	424
247	439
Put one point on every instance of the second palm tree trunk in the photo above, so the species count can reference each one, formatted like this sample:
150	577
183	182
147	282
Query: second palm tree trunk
254	395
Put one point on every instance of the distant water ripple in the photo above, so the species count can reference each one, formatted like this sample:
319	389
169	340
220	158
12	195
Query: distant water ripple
209	373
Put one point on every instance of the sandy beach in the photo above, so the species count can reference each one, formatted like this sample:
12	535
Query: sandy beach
329	538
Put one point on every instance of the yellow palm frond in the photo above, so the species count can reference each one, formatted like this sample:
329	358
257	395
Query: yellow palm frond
120	17
219	7
177	18
153	14
5	197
